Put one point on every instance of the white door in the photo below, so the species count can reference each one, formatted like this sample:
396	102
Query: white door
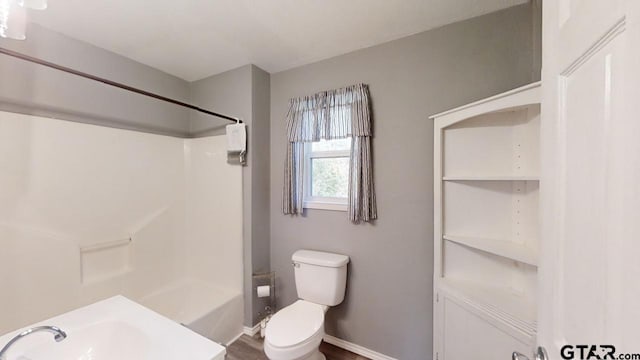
589	276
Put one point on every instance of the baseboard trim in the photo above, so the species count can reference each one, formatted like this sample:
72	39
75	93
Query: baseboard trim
252	331
354	348
234	339
357	349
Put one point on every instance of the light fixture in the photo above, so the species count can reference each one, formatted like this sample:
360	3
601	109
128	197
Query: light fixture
13	17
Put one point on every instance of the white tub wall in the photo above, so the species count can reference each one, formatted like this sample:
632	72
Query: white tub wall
209	310
73	178
214	214
64	185
224	323
35	284
159	255
214	232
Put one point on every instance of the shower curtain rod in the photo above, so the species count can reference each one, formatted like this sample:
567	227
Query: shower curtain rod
115	84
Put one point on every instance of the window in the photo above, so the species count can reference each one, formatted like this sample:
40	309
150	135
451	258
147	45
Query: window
326	174
336	174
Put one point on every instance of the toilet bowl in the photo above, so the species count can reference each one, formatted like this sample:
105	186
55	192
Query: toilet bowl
296	331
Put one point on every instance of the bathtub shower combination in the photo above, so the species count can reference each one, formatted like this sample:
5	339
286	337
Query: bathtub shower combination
90	212
210	311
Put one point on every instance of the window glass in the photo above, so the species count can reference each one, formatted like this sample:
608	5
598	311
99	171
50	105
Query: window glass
330	177
331	145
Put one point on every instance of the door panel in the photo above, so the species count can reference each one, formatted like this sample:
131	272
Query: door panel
590	182
585	119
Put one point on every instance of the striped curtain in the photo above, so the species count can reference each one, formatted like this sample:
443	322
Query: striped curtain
323	116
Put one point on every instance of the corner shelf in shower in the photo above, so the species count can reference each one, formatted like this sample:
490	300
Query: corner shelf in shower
486	167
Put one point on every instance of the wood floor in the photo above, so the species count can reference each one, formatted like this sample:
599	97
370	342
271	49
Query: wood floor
250	348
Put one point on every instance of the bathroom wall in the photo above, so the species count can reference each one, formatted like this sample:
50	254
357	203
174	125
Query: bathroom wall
260	143
229	92
55	197
244	92
388	306
66	187
35	89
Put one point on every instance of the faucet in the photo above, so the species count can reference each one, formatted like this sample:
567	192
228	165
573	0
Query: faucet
59	335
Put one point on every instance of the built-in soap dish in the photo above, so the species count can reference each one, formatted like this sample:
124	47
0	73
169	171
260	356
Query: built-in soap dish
105	260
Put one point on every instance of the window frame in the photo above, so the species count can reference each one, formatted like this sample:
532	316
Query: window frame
318	202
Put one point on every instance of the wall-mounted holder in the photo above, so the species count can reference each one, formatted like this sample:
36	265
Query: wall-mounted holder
237	143
264	291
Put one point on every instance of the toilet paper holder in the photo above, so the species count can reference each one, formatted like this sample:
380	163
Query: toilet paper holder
265	279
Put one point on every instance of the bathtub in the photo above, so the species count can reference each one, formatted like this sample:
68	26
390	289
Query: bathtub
210	311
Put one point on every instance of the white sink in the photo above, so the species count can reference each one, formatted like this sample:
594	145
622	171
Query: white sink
114	329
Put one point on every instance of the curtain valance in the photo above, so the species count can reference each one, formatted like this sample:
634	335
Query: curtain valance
333	114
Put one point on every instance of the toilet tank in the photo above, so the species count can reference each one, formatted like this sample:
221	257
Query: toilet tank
321	277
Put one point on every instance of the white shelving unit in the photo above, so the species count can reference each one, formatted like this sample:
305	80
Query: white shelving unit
504	248
487	163
491	178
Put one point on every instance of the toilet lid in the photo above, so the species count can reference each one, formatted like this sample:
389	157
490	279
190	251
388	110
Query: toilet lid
295	324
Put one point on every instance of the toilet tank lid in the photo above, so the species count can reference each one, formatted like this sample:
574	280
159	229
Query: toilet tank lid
320	258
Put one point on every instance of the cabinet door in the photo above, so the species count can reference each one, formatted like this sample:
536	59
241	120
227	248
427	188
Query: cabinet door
467	333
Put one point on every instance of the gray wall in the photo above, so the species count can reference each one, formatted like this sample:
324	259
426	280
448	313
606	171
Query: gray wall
228	93
260	142
244	92
388	307
34	89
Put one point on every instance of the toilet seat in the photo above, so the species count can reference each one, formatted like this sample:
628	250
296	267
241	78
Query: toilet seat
295	331
295	324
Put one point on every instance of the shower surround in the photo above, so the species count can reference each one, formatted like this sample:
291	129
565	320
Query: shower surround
89	212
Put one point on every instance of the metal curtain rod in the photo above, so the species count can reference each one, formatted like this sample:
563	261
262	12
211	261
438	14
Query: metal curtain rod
113	83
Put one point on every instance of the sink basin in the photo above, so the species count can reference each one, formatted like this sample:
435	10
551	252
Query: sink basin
114	329
107	340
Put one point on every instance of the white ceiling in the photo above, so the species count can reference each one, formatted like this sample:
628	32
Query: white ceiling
193	39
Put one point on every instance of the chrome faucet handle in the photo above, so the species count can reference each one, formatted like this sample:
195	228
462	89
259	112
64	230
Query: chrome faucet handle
58	333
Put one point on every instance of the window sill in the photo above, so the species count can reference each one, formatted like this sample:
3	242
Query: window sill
325	206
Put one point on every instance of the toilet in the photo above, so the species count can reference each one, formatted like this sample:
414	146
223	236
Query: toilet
295	332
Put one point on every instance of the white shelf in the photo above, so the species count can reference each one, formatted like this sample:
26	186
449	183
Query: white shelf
501	248
486	192
501	303
491	209
493	144
492	178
